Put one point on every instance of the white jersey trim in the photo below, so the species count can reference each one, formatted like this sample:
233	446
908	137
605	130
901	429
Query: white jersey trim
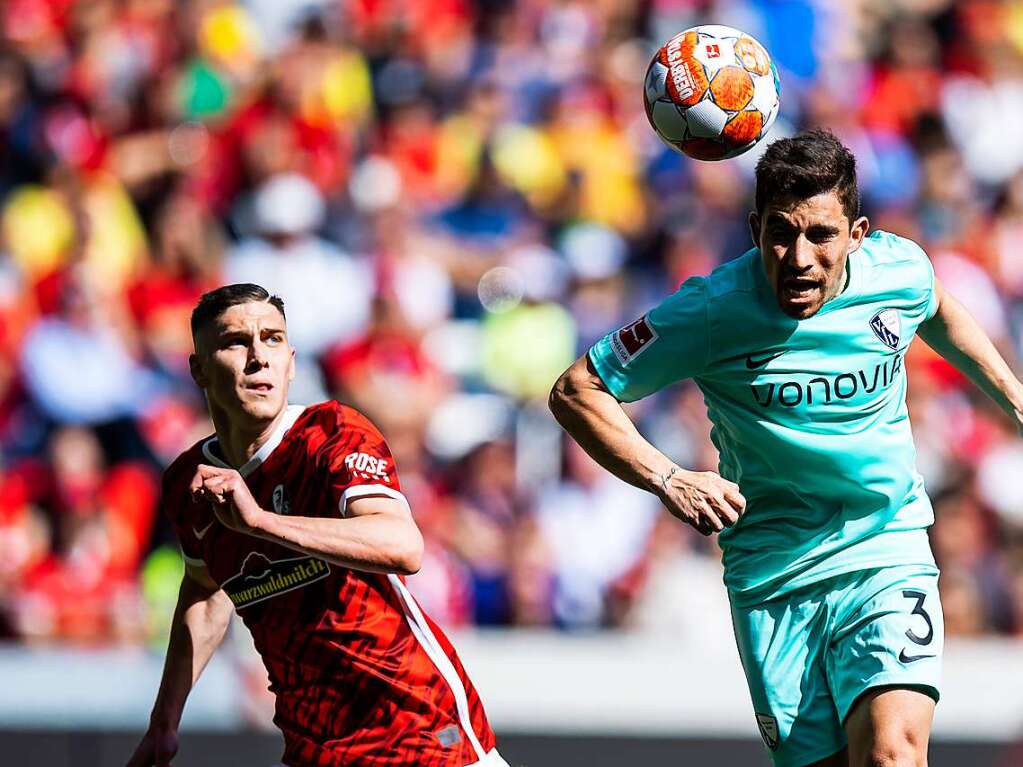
423	634
490	759
287	421
421	631
361	491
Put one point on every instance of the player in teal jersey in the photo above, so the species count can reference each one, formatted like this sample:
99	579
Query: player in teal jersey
798	347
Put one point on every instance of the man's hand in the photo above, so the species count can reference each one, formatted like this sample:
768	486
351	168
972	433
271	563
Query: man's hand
158	747
232	502
704	499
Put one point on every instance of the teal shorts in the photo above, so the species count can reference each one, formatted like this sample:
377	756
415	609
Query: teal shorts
810	654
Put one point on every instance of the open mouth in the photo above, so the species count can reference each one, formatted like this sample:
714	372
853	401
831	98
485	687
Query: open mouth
260	387
799	287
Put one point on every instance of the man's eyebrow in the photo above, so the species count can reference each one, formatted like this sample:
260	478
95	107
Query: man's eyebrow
273	330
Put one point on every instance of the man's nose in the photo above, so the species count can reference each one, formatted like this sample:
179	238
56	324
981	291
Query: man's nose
801	254
257	355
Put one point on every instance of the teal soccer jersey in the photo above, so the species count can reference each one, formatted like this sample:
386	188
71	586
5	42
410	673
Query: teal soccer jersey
809	416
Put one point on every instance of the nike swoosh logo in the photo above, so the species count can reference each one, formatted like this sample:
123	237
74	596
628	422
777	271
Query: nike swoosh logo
903	658
200	534
752	364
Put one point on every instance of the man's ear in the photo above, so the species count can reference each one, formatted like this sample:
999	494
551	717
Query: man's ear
195	368
291	367
754	227
857	232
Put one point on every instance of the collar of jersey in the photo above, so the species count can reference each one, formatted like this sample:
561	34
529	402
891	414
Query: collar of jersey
290	416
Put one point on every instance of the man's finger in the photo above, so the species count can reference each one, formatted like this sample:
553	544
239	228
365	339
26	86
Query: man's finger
217	485
735	499
724	510
710	516
212	471
196	484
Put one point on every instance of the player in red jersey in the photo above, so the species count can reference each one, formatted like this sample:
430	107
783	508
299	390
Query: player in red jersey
293	516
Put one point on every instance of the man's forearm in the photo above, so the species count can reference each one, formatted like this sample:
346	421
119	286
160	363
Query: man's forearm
595	419
598	423
957	337
386	542
197	629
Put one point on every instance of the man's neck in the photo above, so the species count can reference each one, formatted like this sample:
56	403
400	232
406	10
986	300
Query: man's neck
238	441
843	282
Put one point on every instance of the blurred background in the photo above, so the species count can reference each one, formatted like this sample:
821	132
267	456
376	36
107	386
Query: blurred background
455	199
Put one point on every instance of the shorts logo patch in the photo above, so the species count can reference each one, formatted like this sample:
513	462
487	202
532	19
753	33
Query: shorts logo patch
629	342
768	730
448	736
888	327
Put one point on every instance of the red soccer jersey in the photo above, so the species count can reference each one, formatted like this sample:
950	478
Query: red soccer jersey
362	677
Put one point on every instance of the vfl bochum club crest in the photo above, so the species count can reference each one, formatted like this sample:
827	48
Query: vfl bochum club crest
888	327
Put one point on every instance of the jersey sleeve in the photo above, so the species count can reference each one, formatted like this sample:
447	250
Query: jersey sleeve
919	281
930	302
358	462
668	344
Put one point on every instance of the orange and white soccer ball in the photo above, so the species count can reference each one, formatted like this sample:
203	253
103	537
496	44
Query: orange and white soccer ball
711	92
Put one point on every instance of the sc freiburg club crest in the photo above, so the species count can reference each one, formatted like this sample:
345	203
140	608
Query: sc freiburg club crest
888	327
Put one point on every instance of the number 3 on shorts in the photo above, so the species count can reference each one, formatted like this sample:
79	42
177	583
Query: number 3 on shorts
918	610
918	598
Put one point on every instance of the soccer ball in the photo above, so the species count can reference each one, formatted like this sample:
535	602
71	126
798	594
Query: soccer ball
711	92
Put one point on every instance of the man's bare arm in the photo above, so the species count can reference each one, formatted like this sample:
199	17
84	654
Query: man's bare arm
954	334
377	533
596	420
200	620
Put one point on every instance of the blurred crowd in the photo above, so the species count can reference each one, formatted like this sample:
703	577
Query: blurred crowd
455	199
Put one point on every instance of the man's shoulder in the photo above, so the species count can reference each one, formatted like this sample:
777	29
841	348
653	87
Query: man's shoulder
735	277
332	426
732	278
894	267
885	249
332	417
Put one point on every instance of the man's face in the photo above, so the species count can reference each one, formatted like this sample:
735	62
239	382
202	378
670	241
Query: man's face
244	361
805	244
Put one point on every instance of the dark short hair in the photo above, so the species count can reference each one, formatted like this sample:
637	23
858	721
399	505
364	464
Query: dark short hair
216	302
806	165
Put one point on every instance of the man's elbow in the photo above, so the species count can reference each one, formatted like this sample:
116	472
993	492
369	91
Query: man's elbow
559	400
408	555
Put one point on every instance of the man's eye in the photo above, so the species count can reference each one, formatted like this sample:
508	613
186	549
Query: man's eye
273	340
